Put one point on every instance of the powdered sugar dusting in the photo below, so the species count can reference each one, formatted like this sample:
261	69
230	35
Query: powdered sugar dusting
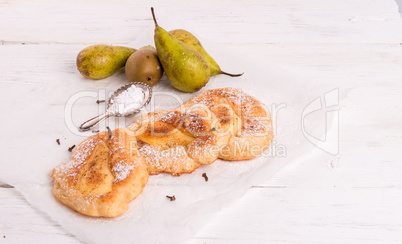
80	154
171	160
121	170
255	119
127	101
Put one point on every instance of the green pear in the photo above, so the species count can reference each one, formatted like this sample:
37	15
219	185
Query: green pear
186	69
144	66
99	61
192	41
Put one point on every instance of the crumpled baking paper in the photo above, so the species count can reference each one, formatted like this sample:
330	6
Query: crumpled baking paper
54	111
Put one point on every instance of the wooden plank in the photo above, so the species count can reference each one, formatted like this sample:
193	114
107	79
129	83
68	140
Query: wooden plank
257	21
20	223
351	198
341	198
308	215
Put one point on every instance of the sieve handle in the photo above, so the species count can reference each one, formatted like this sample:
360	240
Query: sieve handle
87	125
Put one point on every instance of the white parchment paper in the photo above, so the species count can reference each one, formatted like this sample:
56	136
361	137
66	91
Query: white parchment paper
50	111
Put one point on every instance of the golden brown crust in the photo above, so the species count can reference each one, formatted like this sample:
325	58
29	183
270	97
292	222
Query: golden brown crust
173	160
248	121
179	141
103	175
221	123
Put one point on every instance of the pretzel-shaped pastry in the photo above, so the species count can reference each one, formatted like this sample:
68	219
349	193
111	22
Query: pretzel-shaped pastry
106	171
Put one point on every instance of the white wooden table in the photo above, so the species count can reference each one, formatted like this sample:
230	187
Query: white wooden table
354	197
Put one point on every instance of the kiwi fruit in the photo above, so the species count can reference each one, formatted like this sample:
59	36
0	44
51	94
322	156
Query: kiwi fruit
144	66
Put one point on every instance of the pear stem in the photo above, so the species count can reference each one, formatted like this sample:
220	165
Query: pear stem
153	15
232	75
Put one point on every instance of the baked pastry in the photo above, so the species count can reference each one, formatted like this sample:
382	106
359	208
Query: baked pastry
103	175
244	117
107	171
180	140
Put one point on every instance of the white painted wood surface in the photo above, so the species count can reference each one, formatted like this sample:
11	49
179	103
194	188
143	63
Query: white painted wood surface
354	197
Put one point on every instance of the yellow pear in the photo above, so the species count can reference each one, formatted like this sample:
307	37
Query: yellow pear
100	61
186	69
192	41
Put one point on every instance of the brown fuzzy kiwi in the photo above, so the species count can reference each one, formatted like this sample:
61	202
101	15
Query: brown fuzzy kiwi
144	66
